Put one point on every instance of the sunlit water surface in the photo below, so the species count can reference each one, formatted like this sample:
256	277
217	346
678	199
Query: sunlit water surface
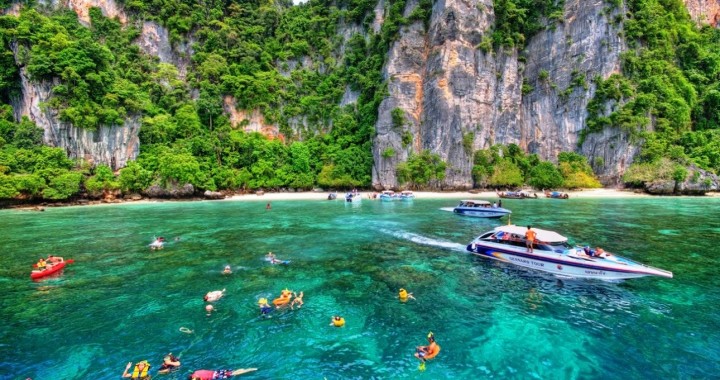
121	302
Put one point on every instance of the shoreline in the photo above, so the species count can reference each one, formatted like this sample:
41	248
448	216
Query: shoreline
366	194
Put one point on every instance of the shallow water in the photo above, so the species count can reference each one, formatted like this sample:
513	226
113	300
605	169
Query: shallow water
120	302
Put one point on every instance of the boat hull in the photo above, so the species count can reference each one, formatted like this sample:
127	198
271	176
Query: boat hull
55	268
481	212
563	265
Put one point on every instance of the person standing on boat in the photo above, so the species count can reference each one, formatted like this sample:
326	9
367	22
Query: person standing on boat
530	238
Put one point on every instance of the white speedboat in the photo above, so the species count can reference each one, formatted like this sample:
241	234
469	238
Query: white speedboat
552	253
388	196
480	209
407	195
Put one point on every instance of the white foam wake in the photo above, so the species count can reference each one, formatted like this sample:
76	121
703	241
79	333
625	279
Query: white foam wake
424	240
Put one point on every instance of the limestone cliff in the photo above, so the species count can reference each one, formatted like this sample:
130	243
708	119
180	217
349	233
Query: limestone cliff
113	145
571	54
453	93
704	11
448	90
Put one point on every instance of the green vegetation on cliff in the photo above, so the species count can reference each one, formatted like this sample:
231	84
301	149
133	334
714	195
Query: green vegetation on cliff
670	81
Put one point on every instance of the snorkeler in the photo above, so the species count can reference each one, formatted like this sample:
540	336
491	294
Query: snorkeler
428	352
214	295
404	295
298	300
170	364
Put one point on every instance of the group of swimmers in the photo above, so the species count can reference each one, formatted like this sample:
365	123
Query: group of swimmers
171	364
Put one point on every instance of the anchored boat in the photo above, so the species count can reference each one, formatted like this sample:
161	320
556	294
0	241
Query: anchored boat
552	253
479	209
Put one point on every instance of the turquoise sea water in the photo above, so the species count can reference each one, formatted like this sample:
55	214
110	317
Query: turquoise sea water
121	302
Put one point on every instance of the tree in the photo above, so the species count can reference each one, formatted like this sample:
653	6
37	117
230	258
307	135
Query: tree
506	174
421	169
63	186
103	180
545	176
134	177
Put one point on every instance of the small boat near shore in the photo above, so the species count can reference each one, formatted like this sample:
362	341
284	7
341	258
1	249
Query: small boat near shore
556	195
407	195
388	196
552	254
479	209
516	195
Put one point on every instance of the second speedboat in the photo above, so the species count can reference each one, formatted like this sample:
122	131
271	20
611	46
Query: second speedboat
480	209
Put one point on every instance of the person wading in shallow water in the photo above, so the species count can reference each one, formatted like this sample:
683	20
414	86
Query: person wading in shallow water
268	207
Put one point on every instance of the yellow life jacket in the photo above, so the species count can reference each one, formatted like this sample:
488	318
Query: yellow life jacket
137	374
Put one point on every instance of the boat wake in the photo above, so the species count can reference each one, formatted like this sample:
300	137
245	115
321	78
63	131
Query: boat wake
451	209
424	240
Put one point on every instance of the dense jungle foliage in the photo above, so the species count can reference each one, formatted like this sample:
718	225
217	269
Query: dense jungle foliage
289	63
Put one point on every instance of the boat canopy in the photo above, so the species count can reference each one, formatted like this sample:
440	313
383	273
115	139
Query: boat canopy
471	203
542	235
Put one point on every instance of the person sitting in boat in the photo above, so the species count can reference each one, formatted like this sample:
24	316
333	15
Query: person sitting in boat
214	295
41	264
170	364
140	371
599	252
55	259
205	374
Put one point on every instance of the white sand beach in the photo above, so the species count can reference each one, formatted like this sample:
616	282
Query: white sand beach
590	193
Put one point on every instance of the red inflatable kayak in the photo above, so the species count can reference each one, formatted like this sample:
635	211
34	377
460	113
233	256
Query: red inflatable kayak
55	268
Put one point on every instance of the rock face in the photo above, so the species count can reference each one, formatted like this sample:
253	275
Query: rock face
449	92
698	182
457	98
155	40
113	145
172	190
584	46
704	11
109	8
